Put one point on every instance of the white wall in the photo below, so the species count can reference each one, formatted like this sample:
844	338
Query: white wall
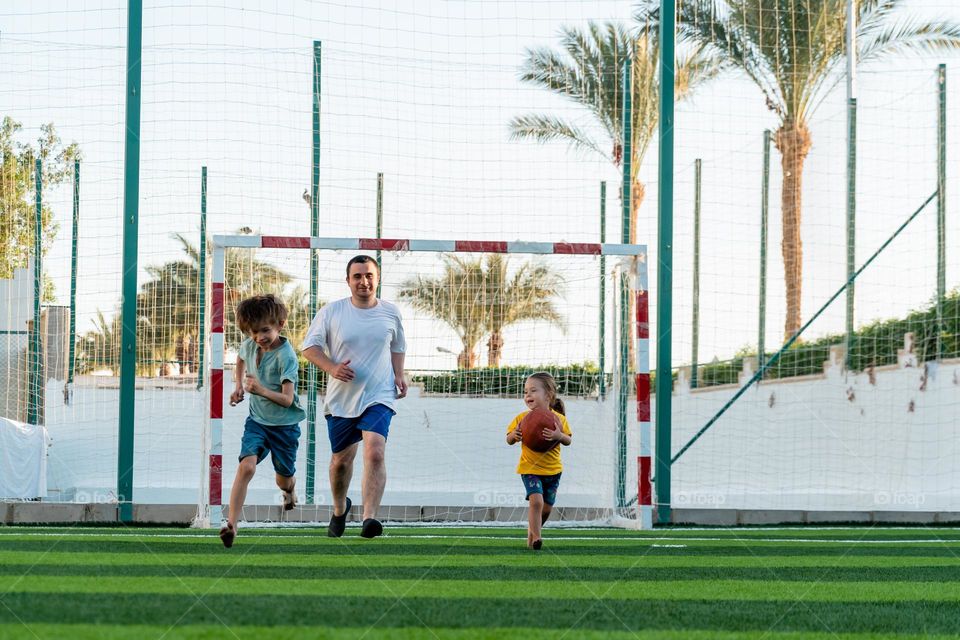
16	300
441	450
886	441
16	309
821	443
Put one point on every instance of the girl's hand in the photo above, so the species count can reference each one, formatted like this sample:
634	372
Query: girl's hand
252	385
555	434
236	397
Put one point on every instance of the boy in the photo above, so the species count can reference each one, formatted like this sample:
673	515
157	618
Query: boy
267	369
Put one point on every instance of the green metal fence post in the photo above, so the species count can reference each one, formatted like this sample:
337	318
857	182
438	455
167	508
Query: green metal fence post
34	393
695	342
602	352
625	386
75	235
131	222
764	228
314	274
941	204
851	228
379	225
623	361
203	277
664	380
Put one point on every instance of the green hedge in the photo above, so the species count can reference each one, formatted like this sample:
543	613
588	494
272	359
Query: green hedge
574	380
874	345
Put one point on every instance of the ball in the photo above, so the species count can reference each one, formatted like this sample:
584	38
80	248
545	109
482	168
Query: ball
532	427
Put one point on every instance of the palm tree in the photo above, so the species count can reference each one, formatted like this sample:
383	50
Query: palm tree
299	316
792	50
169	303
100	347
454	298
527	295
588	70
477	296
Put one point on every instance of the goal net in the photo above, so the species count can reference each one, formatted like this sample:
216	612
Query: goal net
478	317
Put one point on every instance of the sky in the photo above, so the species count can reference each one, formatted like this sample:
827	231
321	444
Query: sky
423	91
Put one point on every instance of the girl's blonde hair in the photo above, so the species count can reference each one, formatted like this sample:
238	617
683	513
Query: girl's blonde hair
550	385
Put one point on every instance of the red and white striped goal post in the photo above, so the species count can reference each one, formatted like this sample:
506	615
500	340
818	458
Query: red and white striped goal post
641	328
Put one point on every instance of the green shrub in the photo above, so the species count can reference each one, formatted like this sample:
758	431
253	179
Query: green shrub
302	383
576	380
874	345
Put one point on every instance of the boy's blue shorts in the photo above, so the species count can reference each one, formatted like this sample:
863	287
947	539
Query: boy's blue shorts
545	485
280	442
344	432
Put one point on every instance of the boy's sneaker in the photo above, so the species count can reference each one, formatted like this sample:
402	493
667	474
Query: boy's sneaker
371	528
338	523
537	545
289	500
227	533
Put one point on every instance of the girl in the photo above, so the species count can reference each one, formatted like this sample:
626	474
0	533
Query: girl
540	472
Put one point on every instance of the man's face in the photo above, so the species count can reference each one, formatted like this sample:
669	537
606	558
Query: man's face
363	280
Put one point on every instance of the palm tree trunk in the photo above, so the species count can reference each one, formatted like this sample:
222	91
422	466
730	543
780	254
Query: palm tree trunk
637	193
793	142
180	352
494	349
467	359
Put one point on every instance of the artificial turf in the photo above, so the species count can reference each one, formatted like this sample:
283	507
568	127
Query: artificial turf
473	582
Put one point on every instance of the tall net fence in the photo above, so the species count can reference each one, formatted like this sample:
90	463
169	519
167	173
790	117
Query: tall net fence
861	420
498	121
415	141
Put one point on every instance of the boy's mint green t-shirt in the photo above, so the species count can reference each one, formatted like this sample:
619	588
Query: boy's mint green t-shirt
276	367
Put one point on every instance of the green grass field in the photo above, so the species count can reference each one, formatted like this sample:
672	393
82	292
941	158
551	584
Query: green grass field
480	583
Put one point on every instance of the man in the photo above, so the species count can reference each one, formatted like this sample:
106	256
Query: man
359	342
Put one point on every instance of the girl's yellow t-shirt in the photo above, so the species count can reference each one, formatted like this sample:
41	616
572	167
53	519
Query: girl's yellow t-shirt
543	464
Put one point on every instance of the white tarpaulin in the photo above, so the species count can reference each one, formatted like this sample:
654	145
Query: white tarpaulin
23	460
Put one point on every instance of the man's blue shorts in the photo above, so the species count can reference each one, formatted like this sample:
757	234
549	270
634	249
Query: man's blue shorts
344	432
280	442
545	485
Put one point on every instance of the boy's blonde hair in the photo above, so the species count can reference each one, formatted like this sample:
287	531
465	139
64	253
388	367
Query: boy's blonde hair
257	311
550	385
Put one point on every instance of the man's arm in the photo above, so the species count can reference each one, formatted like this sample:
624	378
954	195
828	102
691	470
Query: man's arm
341	371
398	347
396	359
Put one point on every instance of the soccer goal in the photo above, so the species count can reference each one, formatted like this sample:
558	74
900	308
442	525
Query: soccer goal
479	316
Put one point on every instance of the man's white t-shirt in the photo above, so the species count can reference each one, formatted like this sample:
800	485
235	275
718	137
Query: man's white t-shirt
365	337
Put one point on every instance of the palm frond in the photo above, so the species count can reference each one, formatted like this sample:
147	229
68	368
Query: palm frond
907	35
545	128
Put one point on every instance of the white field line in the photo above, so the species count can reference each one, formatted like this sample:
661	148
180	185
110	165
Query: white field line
638	539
